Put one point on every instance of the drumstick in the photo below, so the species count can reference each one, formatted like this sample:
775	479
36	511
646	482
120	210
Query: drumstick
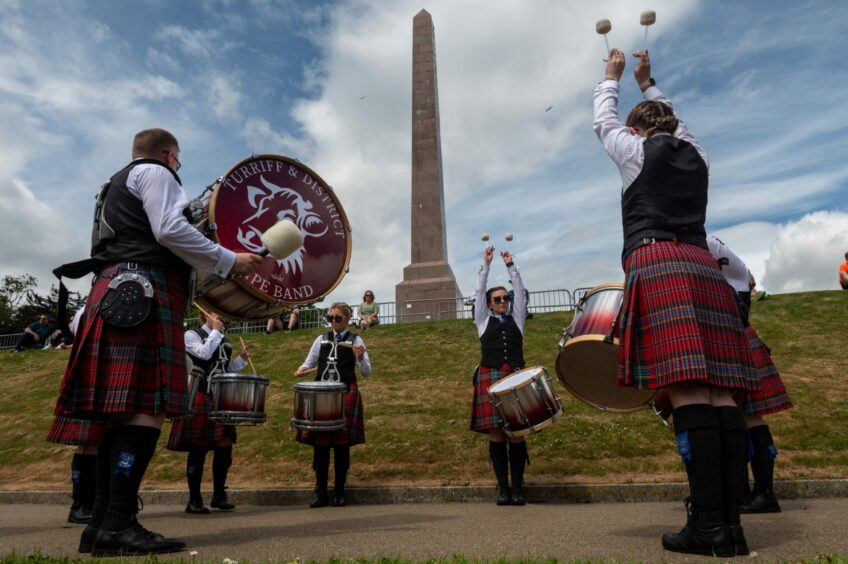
305	372
253	368
348	345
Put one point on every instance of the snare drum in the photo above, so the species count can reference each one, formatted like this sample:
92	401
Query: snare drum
587	363
238	399
318	406
525	401
254	195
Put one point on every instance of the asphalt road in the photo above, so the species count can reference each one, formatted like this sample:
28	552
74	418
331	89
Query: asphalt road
417	531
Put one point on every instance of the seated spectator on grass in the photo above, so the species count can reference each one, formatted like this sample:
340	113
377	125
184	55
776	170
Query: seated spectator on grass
289	319
36	334
368	311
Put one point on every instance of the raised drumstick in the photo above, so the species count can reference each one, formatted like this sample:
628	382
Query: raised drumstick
305	372
647	18
603	27
248	358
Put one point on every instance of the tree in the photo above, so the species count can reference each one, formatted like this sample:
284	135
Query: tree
13	291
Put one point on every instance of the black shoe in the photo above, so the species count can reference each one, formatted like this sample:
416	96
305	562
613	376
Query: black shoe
79	514
761	503
737	536
339	499
504	496
321	499
135	539
517	497
196	507
221	502
87	539
709	539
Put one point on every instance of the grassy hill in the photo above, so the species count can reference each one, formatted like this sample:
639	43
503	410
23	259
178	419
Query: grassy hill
417	404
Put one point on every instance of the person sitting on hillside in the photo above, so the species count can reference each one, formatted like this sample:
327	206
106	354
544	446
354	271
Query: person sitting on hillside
36	335
368	311
843	273
289	316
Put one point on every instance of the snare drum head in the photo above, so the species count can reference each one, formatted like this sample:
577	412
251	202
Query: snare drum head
587	368
264	189
319	386
517	380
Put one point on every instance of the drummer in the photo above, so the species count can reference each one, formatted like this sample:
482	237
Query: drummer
210	351
679	324
350	353
502	352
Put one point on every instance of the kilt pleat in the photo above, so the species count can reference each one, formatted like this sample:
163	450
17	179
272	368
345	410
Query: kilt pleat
354	431
679	322
197	430
113	370
772	396
484	416
79	432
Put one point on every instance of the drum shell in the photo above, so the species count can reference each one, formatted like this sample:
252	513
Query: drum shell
238	398
318	406
597	311
526	401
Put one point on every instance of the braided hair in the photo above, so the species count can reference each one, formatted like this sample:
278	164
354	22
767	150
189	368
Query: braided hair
652	116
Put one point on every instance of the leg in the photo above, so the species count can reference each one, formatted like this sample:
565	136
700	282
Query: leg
499	458
321	466
340	467
83	468
102	476
734	470
194	474
220	468
518	458
763	453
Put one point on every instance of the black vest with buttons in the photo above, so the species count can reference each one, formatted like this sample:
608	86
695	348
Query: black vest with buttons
668	200
345	358
220	357
502	342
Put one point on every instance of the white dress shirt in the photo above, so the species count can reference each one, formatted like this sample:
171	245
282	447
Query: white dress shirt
624	148
164	201
481	307
312	358
196	346
735	271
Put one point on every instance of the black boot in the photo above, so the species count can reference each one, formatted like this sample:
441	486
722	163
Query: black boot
500	464
341	465
194	475
321	466
102	478
518	459
762	498
734	470
700	447
221	463
80	512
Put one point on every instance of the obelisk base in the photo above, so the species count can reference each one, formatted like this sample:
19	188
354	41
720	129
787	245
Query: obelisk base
428	292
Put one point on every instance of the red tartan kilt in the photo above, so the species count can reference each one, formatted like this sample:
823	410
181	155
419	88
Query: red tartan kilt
772	396
680	322
198	431
354	431
483	413
134	370
79	432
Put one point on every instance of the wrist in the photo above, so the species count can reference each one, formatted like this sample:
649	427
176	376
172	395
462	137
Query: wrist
647	83
510	264
609	77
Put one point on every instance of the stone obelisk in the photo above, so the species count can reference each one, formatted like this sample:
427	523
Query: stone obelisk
429	289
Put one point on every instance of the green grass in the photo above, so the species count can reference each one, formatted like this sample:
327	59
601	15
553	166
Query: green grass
417	403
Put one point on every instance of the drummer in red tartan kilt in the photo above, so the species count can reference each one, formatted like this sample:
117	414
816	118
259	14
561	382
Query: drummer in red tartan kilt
127	364
210	351
770	398
680	328
502	353
351	355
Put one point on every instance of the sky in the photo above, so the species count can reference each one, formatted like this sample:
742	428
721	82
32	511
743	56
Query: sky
761	85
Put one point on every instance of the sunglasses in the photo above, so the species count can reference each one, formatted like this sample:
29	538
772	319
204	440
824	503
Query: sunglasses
369	295
336	318
499	299
176	160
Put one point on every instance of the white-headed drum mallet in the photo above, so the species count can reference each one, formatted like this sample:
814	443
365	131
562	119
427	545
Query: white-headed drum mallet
508	239
647	19
603	27
281	239
485	238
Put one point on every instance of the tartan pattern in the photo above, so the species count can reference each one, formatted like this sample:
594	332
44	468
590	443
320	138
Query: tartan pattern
354	431
772	396
483	413
197	430
128	370
79	432
679	322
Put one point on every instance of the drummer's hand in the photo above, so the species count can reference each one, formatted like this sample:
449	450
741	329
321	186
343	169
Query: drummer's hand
245	353
300	372
642	72
615	64
246	263
488	252
216	323
360	351
507	256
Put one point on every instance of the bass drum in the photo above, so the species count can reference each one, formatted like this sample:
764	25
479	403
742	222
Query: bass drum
234	212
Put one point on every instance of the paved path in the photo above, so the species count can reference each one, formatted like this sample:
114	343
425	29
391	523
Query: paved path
416	531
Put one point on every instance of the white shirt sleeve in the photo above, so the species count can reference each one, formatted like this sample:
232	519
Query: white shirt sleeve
519	306
481	308
364	364
164	201
237	364
312	358
197	347
733	268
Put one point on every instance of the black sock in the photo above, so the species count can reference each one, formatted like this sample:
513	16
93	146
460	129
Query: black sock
132	450
76	480
221	463
699	444
517	461
500	462
102	477
762	461
734	455
321	466
88	471
341	464
194	472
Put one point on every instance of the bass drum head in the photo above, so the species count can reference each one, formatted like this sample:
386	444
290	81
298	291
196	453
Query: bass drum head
587	368
264	189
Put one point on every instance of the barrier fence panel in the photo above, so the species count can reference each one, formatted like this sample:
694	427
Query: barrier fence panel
8	341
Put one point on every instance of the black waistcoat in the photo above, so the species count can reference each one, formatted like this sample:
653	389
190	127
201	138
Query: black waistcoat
502	342
345	358
668	200
133	240
220	357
